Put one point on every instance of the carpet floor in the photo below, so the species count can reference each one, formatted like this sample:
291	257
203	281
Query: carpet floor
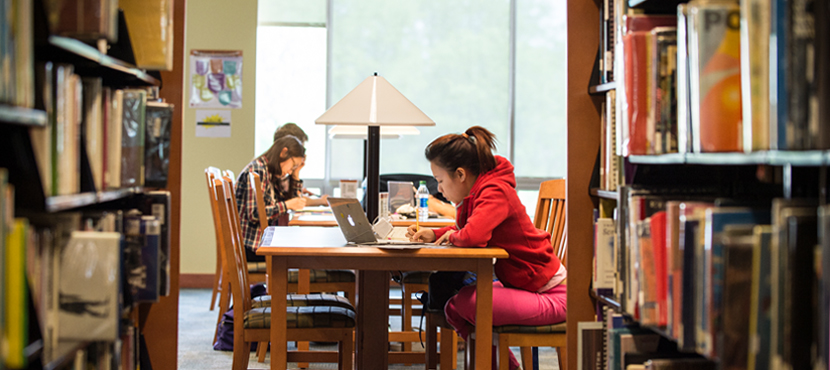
197	324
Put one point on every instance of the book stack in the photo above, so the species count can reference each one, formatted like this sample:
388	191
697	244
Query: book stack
730	280
720	76
96	127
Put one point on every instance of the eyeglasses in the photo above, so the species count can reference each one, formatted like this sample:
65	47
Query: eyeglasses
295	164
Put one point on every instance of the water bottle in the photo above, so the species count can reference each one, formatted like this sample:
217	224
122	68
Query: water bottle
423	199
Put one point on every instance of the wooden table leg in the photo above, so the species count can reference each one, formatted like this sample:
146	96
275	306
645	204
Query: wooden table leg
372	331
484	314
278	280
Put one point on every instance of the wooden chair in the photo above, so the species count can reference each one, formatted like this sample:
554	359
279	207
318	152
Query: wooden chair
210	174
221	284
307	323
302	283
549	216
229	173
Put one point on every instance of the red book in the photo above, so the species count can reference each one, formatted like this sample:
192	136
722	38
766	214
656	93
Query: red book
658	240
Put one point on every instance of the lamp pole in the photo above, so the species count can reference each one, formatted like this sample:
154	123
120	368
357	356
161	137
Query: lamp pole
372	172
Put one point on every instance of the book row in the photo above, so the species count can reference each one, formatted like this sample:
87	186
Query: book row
81	271
719	76
616	343
739	283
114	137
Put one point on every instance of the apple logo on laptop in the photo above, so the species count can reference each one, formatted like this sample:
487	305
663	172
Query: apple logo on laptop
351	222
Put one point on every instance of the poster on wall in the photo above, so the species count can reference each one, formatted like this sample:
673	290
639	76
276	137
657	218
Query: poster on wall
216	79
213	123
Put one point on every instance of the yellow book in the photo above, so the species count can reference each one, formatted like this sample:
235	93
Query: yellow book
17	321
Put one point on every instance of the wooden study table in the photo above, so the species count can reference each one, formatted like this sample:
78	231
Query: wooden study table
325	248
327	220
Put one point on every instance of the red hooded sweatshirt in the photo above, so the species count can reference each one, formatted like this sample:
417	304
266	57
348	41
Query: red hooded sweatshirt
492	215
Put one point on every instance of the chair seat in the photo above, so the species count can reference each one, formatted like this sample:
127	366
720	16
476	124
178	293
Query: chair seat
303	317
304	300
315	276
555	328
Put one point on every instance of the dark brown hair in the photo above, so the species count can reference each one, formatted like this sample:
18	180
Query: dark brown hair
291	128
295	149
472	150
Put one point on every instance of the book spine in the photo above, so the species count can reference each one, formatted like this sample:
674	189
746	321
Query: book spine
716	79
684	129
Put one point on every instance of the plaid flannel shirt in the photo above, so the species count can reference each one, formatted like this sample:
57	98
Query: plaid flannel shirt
274	196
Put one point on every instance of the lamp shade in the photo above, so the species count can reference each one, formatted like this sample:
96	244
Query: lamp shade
375	102
359	132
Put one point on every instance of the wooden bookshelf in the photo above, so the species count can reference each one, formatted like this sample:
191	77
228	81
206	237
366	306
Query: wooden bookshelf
22	116
583	141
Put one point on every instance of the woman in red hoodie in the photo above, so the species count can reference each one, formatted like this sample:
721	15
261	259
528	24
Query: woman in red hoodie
531	288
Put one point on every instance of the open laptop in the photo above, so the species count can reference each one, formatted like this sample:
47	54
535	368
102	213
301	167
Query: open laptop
356	227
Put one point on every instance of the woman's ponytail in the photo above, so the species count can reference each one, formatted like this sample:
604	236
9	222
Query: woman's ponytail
472	150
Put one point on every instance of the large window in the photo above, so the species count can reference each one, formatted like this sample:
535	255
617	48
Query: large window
500	64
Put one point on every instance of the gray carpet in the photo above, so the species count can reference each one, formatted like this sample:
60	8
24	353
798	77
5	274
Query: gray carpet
197	324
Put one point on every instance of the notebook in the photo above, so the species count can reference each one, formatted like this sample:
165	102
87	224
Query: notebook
356	227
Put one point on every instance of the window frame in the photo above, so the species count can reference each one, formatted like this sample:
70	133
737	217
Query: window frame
327	184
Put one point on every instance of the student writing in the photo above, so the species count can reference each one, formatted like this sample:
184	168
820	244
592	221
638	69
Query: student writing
531	288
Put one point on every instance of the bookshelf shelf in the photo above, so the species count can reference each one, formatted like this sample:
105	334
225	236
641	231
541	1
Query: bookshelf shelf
22	116
605	194
607	301
125	71
67	350
673	158
774	158
657	6
602	88
67	202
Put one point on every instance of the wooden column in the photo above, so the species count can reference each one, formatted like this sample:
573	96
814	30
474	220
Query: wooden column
161	322
583	143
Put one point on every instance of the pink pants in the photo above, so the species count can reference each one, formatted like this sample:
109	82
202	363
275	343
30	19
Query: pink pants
510	307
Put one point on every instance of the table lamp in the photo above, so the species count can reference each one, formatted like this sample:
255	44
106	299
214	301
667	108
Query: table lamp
374	103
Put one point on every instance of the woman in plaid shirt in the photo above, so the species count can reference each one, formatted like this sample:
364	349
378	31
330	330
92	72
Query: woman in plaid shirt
284	159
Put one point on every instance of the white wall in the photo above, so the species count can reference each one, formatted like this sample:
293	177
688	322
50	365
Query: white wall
214	25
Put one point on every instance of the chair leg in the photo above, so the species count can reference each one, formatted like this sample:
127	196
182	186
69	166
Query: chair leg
261	351
406	317
217	277
302	346
561	354
470	361
241	352
503	353
345	352
430	336
454	349
527	358
448	348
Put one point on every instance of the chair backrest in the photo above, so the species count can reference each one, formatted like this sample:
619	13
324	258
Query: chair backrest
229	173
234	253
231	192
550	216
256	186
214	210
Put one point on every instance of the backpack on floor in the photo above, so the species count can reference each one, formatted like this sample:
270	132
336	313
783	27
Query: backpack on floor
224	336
